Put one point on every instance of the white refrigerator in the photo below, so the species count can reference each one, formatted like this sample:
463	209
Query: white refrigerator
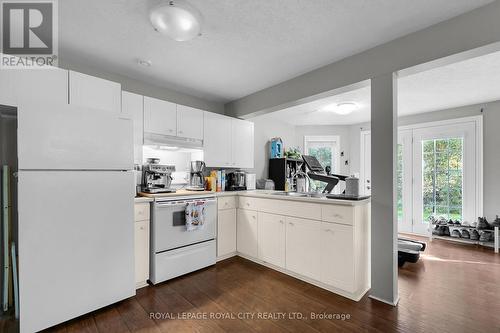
76	201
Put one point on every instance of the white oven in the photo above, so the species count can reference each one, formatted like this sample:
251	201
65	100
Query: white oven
174	250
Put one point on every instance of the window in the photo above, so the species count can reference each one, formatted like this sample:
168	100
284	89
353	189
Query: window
325	149
442	174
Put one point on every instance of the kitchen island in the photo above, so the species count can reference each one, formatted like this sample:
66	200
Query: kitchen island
322	241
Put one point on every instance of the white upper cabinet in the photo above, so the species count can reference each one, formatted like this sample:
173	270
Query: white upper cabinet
242	139
50	85
217	140
7	96
132	108
92	92
189	122
228	142
160	117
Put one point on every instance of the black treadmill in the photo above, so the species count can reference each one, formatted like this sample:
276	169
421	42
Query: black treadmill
317	172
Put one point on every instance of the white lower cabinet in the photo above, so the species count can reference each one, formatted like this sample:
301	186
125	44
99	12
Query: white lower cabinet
226	232
337	256
247	232
303	247
141	244
272	239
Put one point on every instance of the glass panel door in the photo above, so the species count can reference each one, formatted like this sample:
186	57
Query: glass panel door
444	174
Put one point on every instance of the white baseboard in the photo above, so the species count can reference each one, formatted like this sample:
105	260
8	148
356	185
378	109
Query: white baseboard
227	256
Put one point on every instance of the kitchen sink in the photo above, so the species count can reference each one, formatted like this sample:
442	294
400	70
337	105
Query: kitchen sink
291	194
300	194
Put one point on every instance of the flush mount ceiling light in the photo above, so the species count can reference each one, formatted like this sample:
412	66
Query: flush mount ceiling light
176	19
343	108
145	63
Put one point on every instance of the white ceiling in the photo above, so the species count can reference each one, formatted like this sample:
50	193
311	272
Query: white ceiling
468	82
246	45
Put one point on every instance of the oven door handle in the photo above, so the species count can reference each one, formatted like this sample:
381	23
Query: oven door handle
182	203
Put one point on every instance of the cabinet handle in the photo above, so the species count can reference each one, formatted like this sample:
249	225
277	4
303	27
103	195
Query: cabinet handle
248	204
281	221
142	228
337	215
225	203
180	132
290	223
253	216
368	187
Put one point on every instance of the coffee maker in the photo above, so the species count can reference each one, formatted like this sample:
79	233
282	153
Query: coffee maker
196	182
236	181
156	178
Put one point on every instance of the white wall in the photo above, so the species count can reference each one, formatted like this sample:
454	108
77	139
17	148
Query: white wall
264	130
341	131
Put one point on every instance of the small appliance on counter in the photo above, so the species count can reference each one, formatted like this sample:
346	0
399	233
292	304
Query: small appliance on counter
156	178
236	181
196	179
265	184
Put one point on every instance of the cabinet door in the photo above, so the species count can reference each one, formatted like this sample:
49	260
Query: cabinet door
217	140
132	108
189	122
226	232
93	92
337	256
49	85
141	253
160	117
7	96
272	238
303	247
242	139
247	235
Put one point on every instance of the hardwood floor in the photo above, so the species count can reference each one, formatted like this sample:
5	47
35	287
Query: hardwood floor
453	288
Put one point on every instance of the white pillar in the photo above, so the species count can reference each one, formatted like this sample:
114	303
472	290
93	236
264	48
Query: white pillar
384	233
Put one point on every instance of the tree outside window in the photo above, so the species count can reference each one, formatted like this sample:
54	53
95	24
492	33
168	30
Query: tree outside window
442	178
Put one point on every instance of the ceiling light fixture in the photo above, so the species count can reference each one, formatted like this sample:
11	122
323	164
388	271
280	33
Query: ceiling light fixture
145	63
343	108
177	19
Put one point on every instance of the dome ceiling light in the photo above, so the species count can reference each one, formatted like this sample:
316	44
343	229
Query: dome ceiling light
177	19
344	108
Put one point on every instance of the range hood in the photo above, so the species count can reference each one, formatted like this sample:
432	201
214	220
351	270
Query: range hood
168	140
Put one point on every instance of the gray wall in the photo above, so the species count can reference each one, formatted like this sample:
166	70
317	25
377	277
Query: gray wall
341	131
266	129
143	88
475	29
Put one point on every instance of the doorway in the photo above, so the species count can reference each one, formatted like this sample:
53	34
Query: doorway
438	172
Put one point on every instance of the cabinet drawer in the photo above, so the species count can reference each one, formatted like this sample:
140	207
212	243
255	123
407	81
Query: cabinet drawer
249	203
141	212
337	214
226	203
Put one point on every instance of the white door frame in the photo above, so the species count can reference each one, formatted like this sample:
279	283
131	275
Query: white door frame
362	170
326	138
477	122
